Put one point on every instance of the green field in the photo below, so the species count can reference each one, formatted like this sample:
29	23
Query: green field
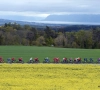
41	52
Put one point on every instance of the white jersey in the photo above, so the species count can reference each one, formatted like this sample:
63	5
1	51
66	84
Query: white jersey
31	58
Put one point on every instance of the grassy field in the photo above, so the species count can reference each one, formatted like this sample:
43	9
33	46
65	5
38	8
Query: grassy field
41	52
49	77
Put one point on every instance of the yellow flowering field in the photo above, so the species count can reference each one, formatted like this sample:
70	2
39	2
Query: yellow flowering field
49	77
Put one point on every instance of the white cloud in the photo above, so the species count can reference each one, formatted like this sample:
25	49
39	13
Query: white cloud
32	14
49	5
42	8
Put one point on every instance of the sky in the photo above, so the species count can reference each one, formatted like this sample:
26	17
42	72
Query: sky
30	10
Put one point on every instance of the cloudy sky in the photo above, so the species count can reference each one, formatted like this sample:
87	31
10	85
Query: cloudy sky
39	9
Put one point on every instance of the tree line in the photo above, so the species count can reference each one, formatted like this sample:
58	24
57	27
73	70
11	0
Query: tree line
15	34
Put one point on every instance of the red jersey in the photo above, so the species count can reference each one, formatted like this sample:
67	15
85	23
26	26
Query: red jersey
56	59
1	59
64	59
20	59
12	59
79	59
36	59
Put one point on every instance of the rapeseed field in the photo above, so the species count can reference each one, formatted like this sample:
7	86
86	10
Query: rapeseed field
49	77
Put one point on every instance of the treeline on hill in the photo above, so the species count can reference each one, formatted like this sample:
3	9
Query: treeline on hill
15	34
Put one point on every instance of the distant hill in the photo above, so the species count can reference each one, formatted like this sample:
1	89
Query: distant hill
3	21
54	26
85	18
39	25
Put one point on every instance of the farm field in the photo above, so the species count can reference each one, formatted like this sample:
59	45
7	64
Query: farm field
41	52
49	77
